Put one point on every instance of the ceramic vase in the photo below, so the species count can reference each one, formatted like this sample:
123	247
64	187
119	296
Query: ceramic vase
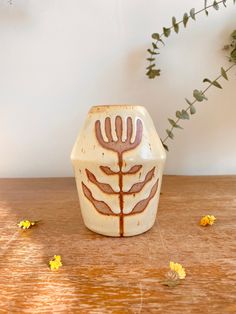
118	161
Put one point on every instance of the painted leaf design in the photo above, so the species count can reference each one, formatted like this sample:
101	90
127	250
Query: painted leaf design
137	187
100	206
120	146
104	187
140	206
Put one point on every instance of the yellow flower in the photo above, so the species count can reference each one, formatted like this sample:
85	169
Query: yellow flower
25	224
178	268
57	257
55	263
207	220
211	219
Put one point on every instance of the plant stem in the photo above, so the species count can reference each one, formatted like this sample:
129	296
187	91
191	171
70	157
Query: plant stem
180	22
195	100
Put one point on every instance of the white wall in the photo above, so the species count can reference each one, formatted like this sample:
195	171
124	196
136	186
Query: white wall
59	57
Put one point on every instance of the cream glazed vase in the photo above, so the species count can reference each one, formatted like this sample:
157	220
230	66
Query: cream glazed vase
118	161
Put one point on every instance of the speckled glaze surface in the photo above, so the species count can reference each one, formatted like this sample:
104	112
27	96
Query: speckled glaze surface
118	161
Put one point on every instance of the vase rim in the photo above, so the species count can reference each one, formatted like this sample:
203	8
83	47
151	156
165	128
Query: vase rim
104	108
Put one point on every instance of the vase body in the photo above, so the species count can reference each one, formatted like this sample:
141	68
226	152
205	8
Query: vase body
118	161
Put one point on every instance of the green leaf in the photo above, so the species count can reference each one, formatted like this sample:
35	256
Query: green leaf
205	5
152	73
233	35
185	19
192	109
206	80
185	114
152	52
150	59
224	74
182	114
173	20
233	55
150	66
170	133
192	14
215	5
165	146
216	84
166	31
175	25
178	114
176	28
156	36
154	46
174	124
198	95
188	101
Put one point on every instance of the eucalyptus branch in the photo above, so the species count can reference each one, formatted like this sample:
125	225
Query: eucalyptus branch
199	96
152	70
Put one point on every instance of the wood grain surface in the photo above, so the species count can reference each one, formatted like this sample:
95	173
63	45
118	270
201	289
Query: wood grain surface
117	275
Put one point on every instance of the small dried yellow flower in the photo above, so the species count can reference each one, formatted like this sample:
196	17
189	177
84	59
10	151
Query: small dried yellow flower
207	220
26	224
55	263
178	268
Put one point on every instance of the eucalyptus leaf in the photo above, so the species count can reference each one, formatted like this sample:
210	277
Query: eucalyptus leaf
185	19
150	66
152	52
215	5
165	146
170	133
173	21
216	84
205	5
206	80
166	31
156	36
188	101
224	74
192	109
154	46
176	28
152	73
182	114
174	124
233	35
185	114
233	55
178	114
192	14
198	95
175	24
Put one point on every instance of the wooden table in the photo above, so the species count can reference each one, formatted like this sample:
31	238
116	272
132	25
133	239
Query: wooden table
118	275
